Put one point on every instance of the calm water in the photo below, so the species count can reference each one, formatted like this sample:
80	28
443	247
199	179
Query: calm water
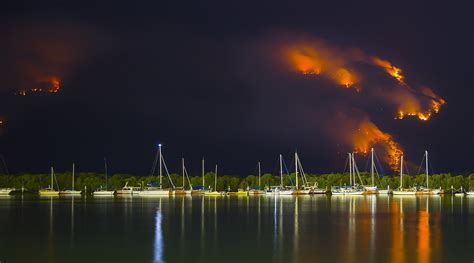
231	229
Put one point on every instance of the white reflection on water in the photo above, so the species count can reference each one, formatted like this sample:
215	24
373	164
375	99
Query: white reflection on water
158	251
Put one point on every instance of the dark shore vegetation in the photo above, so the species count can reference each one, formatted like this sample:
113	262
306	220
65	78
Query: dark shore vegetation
92	180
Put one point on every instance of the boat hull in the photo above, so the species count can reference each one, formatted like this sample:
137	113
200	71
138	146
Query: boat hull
6	191
48	193
103	193
156	193
404	192
70	192
213	194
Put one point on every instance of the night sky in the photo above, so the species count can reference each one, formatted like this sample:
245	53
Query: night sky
204	80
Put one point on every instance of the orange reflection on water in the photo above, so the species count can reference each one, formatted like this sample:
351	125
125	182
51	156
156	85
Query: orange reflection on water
398	249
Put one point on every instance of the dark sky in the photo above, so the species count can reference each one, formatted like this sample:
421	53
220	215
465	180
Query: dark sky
197	78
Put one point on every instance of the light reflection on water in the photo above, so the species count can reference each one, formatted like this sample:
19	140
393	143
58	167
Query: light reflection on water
206	228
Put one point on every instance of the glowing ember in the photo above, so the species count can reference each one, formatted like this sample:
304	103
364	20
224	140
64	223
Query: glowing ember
368	135
390	69
51	85
344	77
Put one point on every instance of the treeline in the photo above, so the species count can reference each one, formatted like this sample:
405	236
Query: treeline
93	181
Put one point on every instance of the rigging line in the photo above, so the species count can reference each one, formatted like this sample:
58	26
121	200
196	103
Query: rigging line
167	173
4	164
155	161
303	173
421	164
56	180
287	172
187	176
357	171
379	164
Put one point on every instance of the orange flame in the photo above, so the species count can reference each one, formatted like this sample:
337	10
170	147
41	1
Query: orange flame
344	77
305	60
390	69
316	59
50	85
409	105
368	135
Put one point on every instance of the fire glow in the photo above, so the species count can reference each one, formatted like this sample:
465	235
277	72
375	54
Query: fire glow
350	70
368	135
50	85
323	61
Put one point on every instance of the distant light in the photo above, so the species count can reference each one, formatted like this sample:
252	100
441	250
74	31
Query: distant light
159	145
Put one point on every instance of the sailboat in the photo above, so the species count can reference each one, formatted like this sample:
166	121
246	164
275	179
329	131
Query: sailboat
50	190
285	190
129	190
200	190
470	192
71	191
275	190
352	188
427	190
258	191
458	192
6	191
304	189
371	189
182	190
214	191
104	191
153	190
401	190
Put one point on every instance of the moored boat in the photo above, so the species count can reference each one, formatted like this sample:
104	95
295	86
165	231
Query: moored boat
401	190
71	191
6	191
50	190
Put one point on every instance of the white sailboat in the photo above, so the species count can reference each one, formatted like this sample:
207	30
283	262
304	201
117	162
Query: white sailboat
352	188
129	190
104	191
151	190
304	189
470	192
284	190
71	191
6	191
401	190
427	190
258	191
213	192
372	189
50	190
275	190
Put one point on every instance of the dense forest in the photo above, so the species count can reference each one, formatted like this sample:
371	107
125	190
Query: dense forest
92	181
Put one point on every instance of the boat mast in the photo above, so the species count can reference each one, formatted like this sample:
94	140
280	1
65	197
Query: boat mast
401	172
105	168
161	167
215	180
350	169
426	154
372	165
259	172
354	170
52	172
73	176
182	161
203	185
296	169
281	171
